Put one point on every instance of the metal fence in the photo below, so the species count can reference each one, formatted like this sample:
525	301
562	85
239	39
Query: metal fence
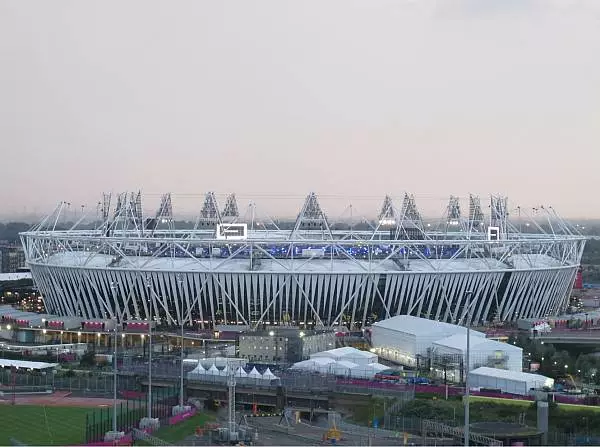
129	413
291	381
87	384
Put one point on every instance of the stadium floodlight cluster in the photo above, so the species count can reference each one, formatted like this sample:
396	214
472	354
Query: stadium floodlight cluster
232	269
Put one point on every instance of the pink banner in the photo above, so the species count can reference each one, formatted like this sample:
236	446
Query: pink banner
181	417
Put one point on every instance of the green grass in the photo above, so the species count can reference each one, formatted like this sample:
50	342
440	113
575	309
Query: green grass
525	403
178	432
38	425
500	401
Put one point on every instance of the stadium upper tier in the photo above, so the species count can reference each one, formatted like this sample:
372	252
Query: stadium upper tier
228	269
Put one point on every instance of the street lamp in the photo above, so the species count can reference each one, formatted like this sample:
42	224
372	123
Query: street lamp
468	295
113	287
180	282
149	286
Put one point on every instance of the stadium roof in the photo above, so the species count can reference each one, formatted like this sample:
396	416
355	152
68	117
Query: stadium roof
423	326
100	260
6	363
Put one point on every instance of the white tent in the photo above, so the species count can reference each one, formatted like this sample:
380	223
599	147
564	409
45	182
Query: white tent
306	365
241	372
213	371
268	375
316	364
367	371
197	372
323	364
224	371
349	354
254	374
342	368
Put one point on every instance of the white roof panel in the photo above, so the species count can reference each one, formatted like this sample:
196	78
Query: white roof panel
506	374
99	260
423	326
459	341
339	353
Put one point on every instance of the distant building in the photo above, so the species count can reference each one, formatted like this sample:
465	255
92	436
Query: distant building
284	345
12	259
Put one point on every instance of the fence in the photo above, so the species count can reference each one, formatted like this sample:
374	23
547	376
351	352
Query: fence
97	385
296	381
129	413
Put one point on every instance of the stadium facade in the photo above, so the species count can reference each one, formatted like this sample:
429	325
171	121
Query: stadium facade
234	270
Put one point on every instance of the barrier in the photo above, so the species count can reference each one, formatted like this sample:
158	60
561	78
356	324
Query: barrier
125	440
129	413
182	417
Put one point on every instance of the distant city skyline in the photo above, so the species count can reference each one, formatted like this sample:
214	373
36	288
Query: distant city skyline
351	99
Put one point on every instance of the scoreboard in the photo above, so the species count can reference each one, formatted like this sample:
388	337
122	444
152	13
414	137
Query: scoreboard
232	232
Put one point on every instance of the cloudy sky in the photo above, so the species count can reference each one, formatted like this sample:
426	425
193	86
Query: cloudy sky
275	98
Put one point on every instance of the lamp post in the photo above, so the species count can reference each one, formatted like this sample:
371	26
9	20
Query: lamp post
149	286
113	287
180	281
468	294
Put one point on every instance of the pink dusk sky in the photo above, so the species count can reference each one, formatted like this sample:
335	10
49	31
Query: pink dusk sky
273	99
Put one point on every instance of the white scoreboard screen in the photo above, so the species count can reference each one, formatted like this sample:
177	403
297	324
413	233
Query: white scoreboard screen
232	232
493	234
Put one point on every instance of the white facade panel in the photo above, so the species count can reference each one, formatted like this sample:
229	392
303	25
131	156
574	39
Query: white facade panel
483	352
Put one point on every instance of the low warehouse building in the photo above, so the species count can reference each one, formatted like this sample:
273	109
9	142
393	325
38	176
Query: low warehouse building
513	382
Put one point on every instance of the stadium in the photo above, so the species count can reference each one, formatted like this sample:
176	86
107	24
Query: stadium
232	269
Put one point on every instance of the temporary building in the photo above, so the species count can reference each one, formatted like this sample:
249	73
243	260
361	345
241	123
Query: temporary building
306	365
254	374
240	372
403	337
342	368
268	375
197	372
508	381
483	352
349	354
323	364
367	371
318	364
224	371
213	371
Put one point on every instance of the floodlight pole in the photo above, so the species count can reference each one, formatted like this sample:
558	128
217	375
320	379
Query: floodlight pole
115	377
149	285
114	424
182	341
469	293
